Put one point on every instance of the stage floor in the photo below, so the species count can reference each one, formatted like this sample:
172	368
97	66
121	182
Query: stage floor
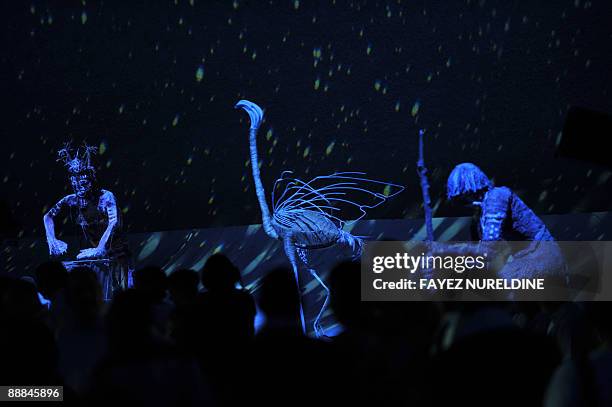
254	253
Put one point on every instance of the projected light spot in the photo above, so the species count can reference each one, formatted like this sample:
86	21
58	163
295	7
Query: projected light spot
150	246
415	108
199	73
252	229
197	266
387	190
255	263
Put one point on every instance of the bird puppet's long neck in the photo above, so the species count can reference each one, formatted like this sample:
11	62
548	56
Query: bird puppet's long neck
259	189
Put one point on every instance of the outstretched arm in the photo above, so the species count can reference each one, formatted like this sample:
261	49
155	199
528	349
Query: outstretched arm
111	212
56	246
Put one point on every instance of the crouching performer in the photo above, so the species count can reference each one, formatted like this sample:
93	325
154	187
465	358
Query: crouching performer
501	215
95	212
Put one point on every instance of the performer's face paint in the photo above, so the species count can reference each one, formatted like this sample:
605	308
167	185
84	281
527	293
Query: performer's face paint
81	184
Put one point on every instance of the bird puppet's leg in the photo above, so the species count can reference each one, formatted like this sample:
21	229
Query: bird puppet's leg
290	251
319	331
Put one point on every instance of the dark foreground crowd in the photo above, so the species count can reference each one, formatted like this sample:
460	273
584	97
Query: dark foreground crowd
166	343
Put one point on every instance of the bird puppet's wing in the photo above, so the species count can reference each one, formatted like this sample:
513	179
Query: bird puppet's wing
341	197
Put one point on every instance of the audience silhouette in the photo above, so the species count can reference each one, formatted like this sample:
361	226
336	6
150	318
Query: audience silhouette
188	338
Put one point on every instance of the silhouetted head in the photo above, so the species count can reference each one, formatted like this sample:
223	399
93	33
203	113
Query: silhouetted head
5	285
20	299
467	182
279	297
219	273
183	286
600	315
130	321
51	277
152	281
84	293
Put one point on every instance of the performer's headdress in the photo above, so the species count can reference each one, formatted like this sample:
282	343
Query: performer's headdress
466	178
78	161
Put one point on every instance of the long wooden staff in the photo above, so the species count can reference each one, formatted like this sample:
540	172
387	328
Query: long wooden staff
422	171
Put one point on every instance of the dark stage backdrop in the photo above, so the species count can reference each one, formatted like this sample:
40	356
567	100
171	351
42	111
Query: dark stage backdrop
345	85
